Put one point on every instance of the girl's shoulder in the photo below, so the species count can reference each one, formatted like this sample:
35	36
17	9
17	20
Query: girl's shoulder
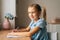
41	19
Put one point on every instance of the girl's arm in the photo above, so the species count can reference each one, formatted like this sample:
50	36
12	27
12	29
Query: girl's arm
25	30
22	30
34	30
29	34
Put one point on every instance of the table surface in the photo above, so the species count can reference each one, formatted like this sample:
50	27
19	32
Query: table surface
3	36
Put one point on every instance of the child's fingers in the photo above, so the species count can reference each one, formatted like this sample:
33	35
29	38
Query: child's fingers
14	30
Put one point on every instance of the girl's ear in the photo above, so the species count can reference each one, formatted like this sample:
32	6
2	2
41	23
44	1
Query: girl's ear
44	12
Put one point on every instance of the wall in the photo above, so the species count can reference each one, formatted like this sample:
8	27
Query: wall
8	6
52	6
0	10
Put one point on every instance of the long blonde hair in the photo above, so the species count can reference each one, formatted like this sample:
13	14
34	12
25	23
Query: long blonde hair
44	13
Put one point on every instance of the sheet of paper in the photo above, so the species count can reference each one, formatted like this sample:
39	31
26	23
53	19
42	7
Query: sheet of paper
9	36
13	36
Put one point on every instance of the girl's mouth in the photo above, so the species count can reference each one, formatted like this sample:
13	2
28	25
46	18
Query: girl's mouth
32	17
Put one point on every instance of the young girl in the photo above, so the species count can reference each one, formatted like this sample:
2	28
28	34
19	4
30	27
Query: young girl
37	28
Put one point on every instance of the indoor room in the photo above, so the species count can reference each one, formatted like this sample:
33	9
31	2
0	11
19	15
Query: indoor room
15	16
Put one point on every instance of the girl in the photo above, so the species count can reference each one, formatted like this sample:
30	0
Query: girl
37	28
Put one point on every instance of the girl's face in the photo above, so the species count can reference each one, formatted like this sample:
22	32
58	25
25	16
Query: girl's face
33	13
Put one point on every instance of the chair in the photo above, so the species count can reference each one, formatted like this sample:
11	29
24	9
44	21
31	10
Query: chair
52	35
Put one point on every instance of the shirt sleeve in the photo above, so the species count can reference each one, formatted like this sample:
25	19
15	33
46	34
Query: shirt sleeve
30	23
41	24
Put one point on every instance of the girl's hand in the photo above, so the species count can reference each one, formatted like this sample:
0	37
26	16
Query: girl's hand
14	30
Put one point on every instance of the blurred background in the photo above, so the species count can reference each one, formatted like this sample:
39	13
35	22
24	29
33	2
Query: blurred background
18	8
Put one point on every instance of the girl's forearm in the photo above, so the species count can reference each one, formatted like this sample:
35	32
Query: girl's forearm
20	30
27	34
25	29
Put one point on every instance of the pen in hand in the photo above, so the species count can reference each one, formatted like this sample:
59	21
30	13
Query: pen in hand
15	30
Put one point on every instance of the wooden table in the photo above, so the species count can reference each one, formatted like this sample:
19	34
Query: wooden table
3	36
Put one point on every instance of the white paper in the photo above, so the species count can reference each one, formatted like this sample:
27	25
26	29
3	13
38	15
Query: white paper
13	36
9	36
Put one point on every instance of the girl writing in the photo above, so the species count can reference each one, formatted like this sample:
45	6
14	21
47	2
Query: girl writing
37	27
